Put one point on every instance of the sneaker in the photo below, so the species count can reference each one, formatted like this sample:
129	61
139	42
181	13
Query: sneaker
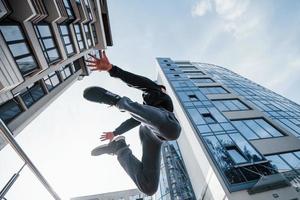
101	95
111	148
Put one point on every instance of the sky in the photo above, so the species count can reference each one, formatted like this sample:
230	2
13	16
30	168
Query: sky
257	39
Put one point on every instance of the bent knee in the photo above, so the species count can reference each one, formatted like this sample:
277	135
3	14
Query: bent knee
171	132
150	189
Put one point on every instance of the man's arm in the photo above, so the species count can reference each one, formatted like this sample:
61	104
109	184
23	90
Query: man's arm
126	126
133	80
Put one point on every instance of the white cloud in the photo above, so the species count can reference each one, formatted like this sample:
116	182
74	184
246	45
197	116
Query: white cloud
231	13
231	9
201	8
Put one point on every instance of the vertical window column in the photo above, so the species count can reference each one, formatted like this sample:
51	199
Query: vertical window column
88	35
79	37
47	43
67	40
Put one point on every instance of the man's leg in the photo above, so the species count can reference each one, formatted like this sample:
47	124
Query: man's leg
145	174
161	121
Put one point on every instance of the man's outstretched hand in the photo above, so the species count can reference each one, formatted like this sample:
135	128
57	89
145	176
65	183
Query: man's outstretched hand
107	136
101	64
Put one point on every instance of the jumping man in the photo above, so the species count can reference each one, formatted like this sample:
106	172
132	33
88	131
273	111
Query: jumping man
155	118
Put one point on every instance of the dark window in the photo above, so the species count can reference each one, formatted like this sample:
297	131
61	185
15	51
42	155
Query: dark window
66	38
208	118
79	37
9	110
256	128
66	71
193	97
47	43
88	35
51	81
230	105
32	94
94	33
193	73
78	63
202	80
187	67
18	46
213	90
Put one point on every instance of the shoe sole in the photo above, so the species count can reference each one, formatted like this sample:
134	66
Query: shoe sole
99	150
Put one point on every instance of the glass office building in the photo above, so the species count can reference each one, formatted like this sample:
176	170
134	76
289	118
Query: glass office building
174	180
240	140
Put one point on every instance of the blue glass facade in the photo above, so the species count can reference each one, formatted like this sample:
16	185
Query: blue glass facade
228	141
174	180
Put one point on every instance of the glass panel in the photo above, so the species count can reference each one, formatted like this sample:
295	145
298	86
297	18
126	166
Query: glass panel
236	156
244	130
197	118
230	105
81	45
246	148
55	81
11	33
28	100
64	29
18	49
291	159
257	129
9	110
77	28
26	64
49	43
78	37
225	140
37	92
53	55
278	164
268	127
70	49
240	105
44	30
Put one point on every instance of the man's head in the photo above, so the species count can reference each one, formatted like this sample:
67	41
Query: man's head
163	88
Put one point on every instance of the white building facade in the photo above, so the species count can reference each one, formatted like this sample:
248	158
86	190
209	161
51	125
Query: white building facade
43	45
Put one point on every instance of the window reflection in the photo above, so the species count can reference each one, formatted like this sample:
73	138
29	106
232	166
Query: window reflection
256	128
32	94
9	110
47	43
18	46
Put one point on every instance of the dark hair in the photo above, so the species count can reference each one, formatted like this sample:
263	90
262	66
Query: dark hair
162	86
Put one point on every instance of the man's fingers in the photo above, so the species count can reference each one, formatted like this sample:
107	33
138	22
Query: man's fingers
93	56
95	69
91	61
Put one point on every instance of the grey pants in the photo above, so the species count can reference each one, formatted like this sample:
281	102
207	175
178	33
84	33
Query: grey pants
157	125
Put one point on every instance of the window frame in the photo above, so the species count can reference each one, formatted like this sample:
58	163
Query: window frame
88	35
21	110
28	91
226	106
81	35
25	42
42	43
49	77
69	35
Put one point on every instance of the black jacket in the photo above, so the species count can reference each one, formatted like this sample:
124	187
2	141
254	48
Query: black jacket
152	95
